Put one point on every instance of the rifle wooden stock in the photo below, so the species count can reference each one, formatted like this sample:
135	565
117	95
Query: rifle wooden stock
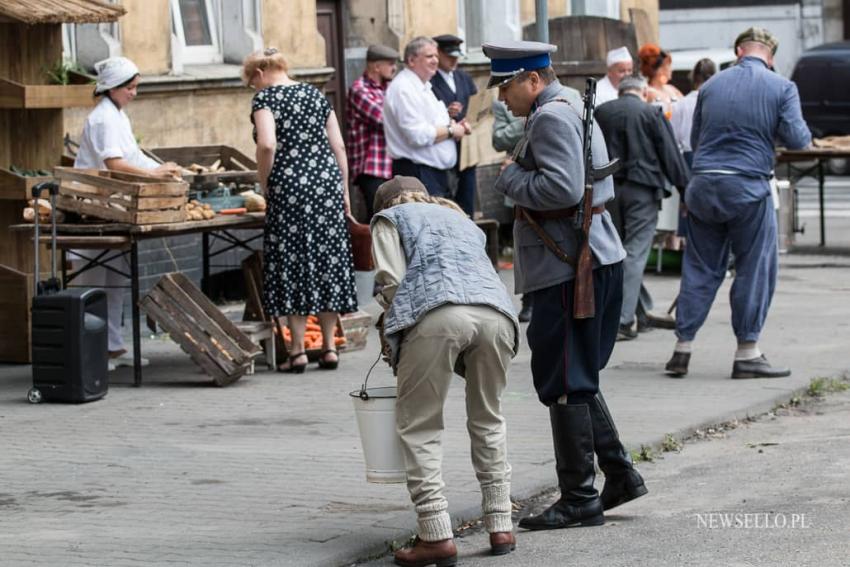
584	306
583	303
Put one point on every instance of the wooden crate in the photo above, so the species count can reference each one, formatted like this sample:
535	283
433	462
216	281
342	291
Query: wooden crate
201	330
238	167
121	197
351	326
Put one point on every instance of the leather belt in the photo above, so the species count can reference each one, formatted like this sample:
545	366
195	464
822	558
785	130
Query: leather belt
553	214
533	218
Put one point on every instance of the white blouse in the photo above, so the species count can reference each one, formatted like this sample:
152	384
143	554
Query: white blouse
107	134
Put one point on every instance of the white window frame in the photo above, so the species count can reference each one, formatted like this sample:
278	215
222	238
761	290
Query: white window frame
197	54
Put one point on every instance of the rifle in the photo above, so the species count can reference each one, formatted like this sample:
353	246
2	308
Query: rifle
583	302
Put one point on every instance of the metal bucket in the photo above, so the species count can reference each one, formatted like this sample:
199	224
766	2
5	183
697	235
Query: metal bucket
375	411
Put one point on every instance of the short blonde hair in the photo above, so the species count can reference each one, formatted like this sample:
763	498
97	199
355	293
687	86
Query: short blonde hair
412	197
266	59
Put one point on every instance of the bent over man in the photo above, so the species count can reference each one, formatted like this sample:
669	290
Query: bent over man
447	312
739	114
547	182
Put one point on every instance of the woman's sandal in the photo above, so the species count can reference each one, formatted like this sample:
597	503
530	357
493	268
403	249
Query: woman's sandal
294	368
328	364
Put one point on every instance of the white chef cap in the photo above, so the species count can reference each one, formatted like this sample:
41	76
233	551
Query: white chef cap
113	72
619	55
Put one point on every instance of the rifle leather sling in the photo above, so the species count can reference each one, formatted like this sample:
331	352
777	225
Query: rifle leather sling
533	219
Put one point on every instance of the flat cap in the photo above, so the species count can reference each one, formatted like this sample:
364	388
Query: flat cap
391	189
758	35
449	44
510	58
381	53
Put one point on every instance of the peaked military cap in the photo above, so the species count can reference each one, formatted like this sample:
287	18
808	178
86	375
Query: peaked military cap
510	58
381	53
758	35
449	44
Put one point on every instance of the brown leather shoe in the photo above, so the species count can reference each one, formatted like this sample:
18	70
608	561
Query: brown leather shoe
441	553
502	543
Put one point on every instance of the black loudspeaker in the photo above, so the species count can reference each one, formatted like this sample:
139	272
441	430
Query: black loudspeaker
69	346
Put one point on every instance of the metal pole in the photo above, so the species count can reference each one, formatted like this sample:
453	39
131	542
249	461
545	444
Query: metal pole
541	8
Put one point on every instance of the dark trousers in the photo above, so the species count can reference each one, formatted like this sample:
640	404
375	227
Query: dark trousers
566	353
465	194
369	186
435	180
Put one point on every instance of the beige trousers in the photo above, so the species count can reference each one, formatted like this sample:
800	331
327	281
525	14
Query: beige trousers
484	338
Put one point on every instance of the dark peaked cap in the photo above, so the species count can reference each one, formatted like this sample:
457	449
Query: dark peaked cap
510	58
381	53
391	189
449	44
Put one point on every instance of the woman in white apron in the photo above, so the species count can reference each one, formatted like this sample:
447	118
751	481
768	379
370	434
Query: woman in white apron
108	142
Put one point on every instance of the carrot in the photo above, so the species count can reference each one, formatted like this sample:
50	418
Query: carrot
339	341
237	211
312	327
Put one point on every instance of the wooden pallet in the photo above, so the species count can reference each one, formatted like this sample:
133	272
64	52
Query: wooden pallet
212	341
121	197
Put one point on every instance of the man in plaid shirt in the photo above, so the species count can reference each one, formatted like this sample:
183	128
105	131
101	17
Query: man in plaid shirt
368	160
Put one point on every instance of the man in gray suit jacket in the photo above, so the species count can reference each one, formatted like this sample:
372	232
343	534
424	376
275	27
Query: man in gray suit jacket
638	134
546	180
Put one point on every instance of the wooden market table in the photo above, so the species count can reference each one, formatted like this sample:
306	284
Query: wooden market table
819	156
119	240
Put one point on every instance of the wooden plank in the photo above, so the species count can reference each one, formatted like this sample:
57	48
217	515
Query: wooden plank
14	186
188	331
227	326
131	204
156	312
119	182
75	205
151	217
15	301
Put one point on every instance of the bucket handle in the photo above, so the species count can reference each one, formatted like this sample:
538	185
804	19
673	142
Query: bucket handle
363	394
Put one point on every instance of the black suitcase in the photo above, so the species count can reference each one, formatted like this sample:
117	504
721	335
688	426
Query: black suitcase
69	332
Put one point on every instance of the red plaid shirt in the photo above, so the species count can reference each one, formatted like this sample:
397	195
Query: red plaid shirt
367	146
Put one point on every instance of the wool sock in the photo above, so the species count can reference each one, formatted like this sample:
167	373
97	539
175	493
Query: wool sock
747	351
683	346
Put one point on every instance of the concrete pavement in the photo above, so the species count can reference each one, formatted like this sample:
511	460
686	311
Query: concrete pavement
269	471
772	492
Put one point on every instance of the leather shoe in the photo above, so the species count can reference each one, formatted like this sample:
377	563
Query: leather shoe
441	553
677	366
626	333
757	368
562	514
502	543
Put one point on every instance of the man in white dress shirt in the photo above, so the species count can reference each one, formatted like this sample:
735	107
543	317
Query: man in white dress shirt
420	133
620	64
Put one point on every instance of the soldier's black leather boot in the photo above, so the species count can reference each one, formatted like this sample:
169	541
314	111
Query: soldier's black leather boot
622	481
579	505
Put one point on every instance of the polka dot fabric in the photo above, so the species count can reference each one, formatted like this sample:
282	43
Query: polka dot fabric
308	266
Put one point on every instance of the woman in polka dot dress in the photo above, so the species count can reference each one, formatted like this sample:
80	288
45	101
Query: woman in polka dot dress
301	163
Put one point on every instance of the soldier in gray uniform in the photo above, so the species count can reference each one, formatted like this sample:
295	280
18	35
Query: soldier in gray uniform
546	180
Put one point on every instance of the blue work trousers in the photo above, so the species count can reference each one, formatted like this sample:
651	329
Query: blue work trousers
749	231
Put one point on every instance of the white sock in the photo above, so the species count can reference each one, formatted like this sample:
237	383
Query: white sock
747	351
683	346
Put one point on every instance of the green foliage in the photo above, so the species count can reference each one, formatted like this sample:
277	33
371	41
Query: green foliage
644	454
60	73
819	387
671	444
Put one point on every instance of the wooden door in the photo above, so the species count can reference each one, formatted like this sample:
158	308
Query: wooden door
329	15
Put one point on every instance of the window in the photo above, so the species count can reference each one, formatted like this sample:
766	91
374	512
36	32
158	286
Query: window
195	28
604	8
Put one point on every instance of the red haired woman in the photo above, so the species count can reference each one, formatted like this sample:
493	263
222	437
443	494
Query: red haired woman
655	65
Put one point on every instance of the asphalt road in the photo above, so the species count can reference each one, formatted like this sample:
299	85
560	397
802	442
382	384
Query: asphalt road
765	493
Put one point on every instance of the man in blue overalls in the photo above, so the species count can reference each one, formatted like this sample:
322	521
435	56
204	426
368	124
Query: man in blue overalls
739	114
